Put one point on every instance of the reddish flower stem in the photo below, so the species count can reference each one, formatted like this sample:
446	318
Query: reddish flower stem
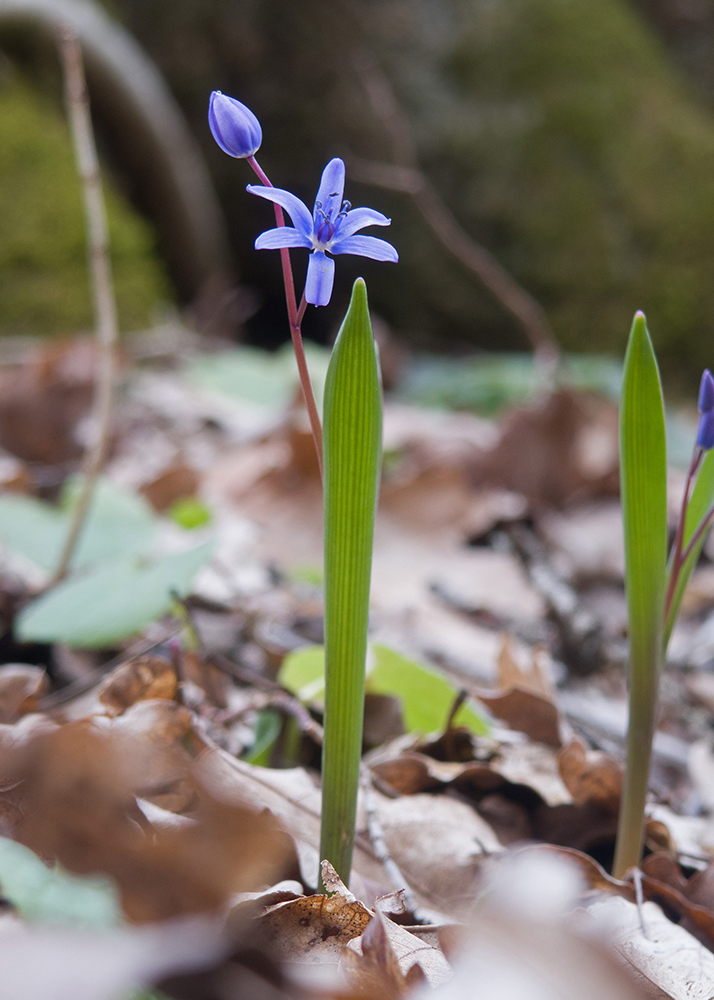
679	556
295	317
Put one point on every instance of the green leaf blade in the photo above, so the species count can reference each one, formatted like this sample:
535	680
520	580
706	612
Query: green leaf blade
643	490
352	448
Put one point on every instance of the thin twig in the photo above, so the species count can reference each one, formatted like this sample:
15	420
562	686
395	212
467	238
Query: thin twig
105	313
379	845
273	695
405	174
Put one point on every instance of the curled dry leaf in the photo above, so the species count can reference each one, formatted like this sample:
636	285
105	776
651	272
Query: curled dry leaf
525	699
591	776
313	930
371	965
388	961
139	679
76	806
507	764
21	685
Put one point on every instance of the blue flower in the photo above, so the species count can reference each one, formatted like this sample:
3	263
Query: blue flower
331	226
705	431
235	128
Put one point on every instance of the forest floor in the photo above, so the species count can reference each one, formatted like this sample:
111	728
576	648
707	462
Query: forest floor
183	761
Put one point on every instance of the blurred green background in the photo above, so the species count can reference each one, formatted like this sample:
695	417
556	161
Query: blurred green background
574	140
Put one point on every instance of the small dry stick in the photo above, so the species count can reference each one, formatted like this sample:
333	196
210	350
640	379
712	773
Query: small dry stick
85	153
406	175
379	845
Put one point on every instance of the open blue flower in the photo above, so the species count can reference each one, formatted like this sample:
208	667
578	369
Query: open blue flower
331	226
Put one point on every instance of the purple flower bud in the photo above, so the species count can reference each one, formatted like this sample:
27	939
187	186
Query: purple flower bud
706	392
235	128
705	430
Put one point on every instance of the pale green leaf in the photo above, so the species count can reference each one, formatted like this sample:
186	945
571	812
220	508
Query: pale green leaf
426	696
119	523
111	602
45	895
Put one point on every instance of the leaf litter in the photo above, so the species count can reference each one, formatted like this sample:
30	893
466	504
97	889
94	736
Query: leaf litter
497	571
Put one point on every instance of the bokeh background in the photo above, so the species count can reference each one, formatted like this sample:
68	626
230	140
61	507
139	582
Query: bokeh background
574	141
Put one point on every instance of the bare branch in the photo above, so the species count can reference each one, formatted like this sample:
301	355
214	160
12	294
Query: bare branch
405	175
100	279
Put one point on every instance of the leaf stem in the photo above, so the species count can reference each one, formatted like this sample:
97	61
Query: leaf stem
295	317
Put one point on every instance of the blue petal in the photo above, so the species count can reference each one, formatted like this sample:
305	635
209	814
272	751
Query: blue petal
358	218
296	209
365	246
320	278
332	188
285	236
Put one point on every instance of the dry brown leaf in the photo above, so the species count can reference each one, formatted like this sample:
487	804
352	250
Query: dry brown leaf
525	712
442	868
591	776
141	679
556	450
313	930
173	484
77	807
371	965
21	684
158	745
664	956
389	961
440	845
43	399
525	699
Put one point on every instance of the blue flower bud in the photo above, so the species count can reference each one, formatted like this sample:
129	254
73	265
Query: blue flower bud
235	128
706	392
705	431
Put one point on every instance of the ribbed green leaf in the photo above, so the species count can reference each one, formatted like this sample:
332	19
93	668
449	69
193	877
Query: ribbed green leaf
700	502
643	490
351	452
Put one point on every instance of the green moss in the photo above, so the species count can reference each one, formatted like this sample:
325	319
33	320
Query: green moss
43	263
597	167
